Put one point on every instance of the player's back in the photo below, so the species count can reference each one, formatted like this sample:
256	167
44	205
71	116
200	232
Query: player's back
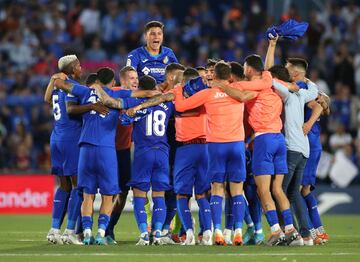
265	111
146	64
66	127
224	117
151	130
98	129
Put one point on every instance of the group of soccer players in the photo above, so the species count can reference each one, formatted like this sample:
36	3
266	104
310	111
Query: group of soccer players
214	130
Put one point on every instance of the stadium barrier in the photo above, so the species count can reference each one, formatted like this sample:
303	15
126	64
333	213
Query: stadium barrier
33	194
26	194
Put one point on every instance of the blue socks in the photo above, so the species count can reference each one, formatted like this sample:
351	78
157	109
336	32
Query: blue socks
204	213
59	209
287	216
87	222
314	215
229	218
103	221
271	217
171	208
216	210
74	208
254	205
184	212
247	217
140	213
238	211
159	213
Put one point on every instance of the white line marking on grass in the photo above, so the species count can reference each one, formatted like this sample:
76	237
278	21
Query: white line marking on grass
175	254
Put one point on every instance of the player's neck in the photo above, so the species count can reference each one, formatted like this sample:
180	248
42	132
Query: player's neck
151	51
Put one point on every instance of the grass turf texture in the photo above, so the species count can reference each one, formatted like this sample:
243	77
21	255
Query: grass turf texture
23	238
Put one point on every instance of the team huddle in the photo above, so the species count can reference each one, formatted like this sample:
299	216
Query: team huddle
215	131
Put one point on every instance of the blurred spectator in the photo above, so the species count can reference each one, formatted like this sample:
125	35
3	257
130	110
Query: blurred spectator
339	139
90	18
95	53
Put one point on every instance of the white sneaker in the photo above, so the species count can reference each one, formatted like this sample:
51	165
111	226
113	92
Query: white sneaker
167	240
190	238
144	240
54	236
157	239
207	238
69	237
227	236
308	241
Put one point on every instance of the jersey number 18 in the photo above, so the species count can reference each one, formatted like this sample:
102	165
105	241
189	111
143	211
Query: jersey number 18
155	123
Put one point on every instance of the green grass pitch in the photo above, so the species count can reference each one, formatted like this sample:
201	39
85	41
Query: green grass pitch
22	238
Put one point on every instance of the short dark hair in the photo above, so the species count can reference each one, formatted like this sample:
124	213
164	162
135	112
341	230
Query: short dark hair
147	82
280	72
222	70
190	73
105	75
126	69
255	62
298	62
172	67
152	24
199	68
211	62
91	79
237	70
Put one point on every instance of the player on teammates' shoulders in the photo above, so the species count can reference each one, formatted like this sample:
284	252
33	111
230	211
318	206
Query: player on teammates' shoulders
152	58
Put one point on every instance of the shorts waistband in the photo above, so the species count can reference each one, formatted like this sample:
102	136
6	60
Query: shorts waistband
194	141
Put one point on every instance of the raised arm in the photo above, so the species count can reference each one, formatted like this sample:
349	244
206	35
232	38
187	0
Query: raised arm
270	54
50	87
66	86
281	88
106	99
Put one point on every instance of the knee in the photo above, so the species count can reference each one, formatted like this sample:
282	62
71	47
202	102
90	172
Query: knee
158	194
200	196
277	191
305	190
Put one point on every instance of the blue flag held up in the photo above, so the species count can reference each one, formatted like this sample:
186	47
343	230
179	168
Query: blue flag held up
290	29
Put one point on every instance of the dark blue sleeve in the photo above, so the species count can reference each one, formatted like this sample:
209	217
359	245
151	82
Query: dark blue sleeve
171	108
72	98
173	57
131	102
133	59
80	91
121	93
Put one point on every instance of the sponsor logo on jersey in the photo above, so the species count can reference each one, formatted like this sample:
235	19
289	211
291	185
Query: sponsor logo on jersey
146	70
145	60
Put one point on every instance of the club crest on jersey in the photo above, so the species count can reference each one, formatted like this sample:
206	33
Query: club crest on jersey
146	70
166	60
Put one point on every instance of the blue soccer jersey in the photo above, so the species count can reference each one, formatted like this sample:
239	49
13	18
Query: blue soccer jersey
314	134
66	128
151	130
146	64
99	130
151	156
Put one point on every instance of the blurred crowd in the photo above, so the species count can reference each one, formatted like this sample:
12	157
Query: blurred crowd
35	33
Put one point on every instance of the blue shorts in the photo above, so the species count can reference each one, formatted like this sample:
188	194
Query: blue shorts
150	169
312	163
227	162
98	169
124	168
269	155
191	162
64	157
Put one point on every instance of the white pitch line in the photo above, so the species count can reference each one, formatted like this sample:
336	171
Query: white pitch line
177	254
